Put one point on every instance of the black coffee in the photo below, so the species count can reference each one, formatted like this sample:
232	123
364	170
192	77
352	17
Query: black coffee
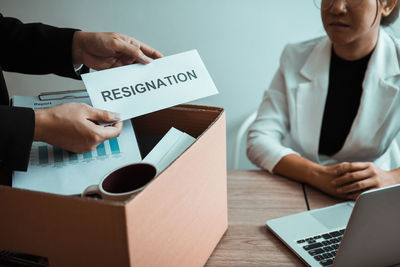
129	178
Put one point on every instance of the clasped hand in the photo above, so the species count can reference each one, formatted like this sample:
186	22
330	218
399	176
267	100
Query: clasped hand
349	180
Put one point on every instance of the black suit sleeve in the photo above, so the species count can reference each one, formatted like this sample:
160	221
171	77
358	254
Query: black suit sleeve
32	48
35	48
16	134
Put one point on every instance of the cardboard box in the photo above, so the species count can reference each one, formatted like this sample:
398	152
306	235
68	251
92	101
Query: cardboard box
177	220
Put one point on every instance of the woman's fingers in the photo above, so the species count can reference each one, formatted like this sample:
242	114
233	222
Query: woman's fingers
357	186
350	177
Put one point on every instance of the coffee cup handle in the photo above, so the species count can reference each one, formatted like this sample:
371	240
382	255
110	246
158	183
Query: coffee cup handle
91	189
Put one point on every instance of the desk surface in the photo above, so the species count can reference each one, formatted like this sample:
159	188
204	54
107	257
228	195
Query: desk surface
253	198
317	199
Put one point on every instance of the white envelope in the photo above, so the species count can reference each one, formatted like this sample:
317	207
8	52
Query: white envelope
139	89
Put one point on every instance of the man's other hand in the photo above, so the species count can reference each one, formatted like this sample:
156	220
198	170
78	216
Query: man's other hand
99	50
73	126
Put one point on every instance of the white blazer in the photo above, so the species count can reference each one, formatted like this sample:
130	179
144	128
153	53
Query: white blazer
290	116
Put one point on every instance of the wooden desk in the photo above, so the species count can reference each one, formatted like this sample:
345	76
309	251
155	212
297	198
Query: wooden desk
253	198
317	199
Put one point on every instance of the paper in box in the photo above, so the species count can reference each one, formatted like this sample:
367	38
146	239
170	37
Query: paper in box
177	220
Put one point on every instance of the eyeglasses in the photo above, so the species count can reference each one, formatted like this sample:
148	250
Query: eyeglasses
327	4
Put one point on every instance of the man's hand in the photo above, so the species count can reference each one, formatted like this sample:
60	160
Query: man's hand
99	50
72	126
362	176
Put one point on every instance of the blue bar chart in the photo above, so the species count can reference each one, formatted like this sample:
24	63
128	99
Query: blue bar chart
114	146
101	150
58	154
87	155
45	154
72	156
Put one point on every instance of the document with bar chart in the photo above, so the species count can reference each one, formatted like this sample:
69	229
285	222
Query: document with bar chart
43	154
54	170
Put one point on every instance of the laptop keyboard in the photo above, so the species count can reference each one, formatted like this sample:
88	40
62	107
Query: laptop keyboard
323	247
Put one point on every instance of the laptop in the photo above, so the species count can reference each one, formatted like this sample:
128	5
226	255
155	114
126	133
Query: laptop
364	233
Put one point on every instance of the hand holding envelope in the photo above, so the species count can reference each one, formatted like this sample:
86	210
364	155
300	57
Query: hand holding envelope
103	50
73	126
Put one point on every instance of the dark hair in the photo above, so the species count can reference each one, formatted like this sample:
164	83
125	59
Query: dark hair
386	21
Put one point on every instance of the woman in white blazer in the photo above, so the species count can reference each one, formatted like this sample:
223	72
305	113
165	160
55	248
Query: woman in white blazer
294	121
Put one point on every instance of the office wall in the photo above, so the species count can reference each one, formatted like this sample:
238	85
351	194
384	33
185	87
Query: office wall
239	40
